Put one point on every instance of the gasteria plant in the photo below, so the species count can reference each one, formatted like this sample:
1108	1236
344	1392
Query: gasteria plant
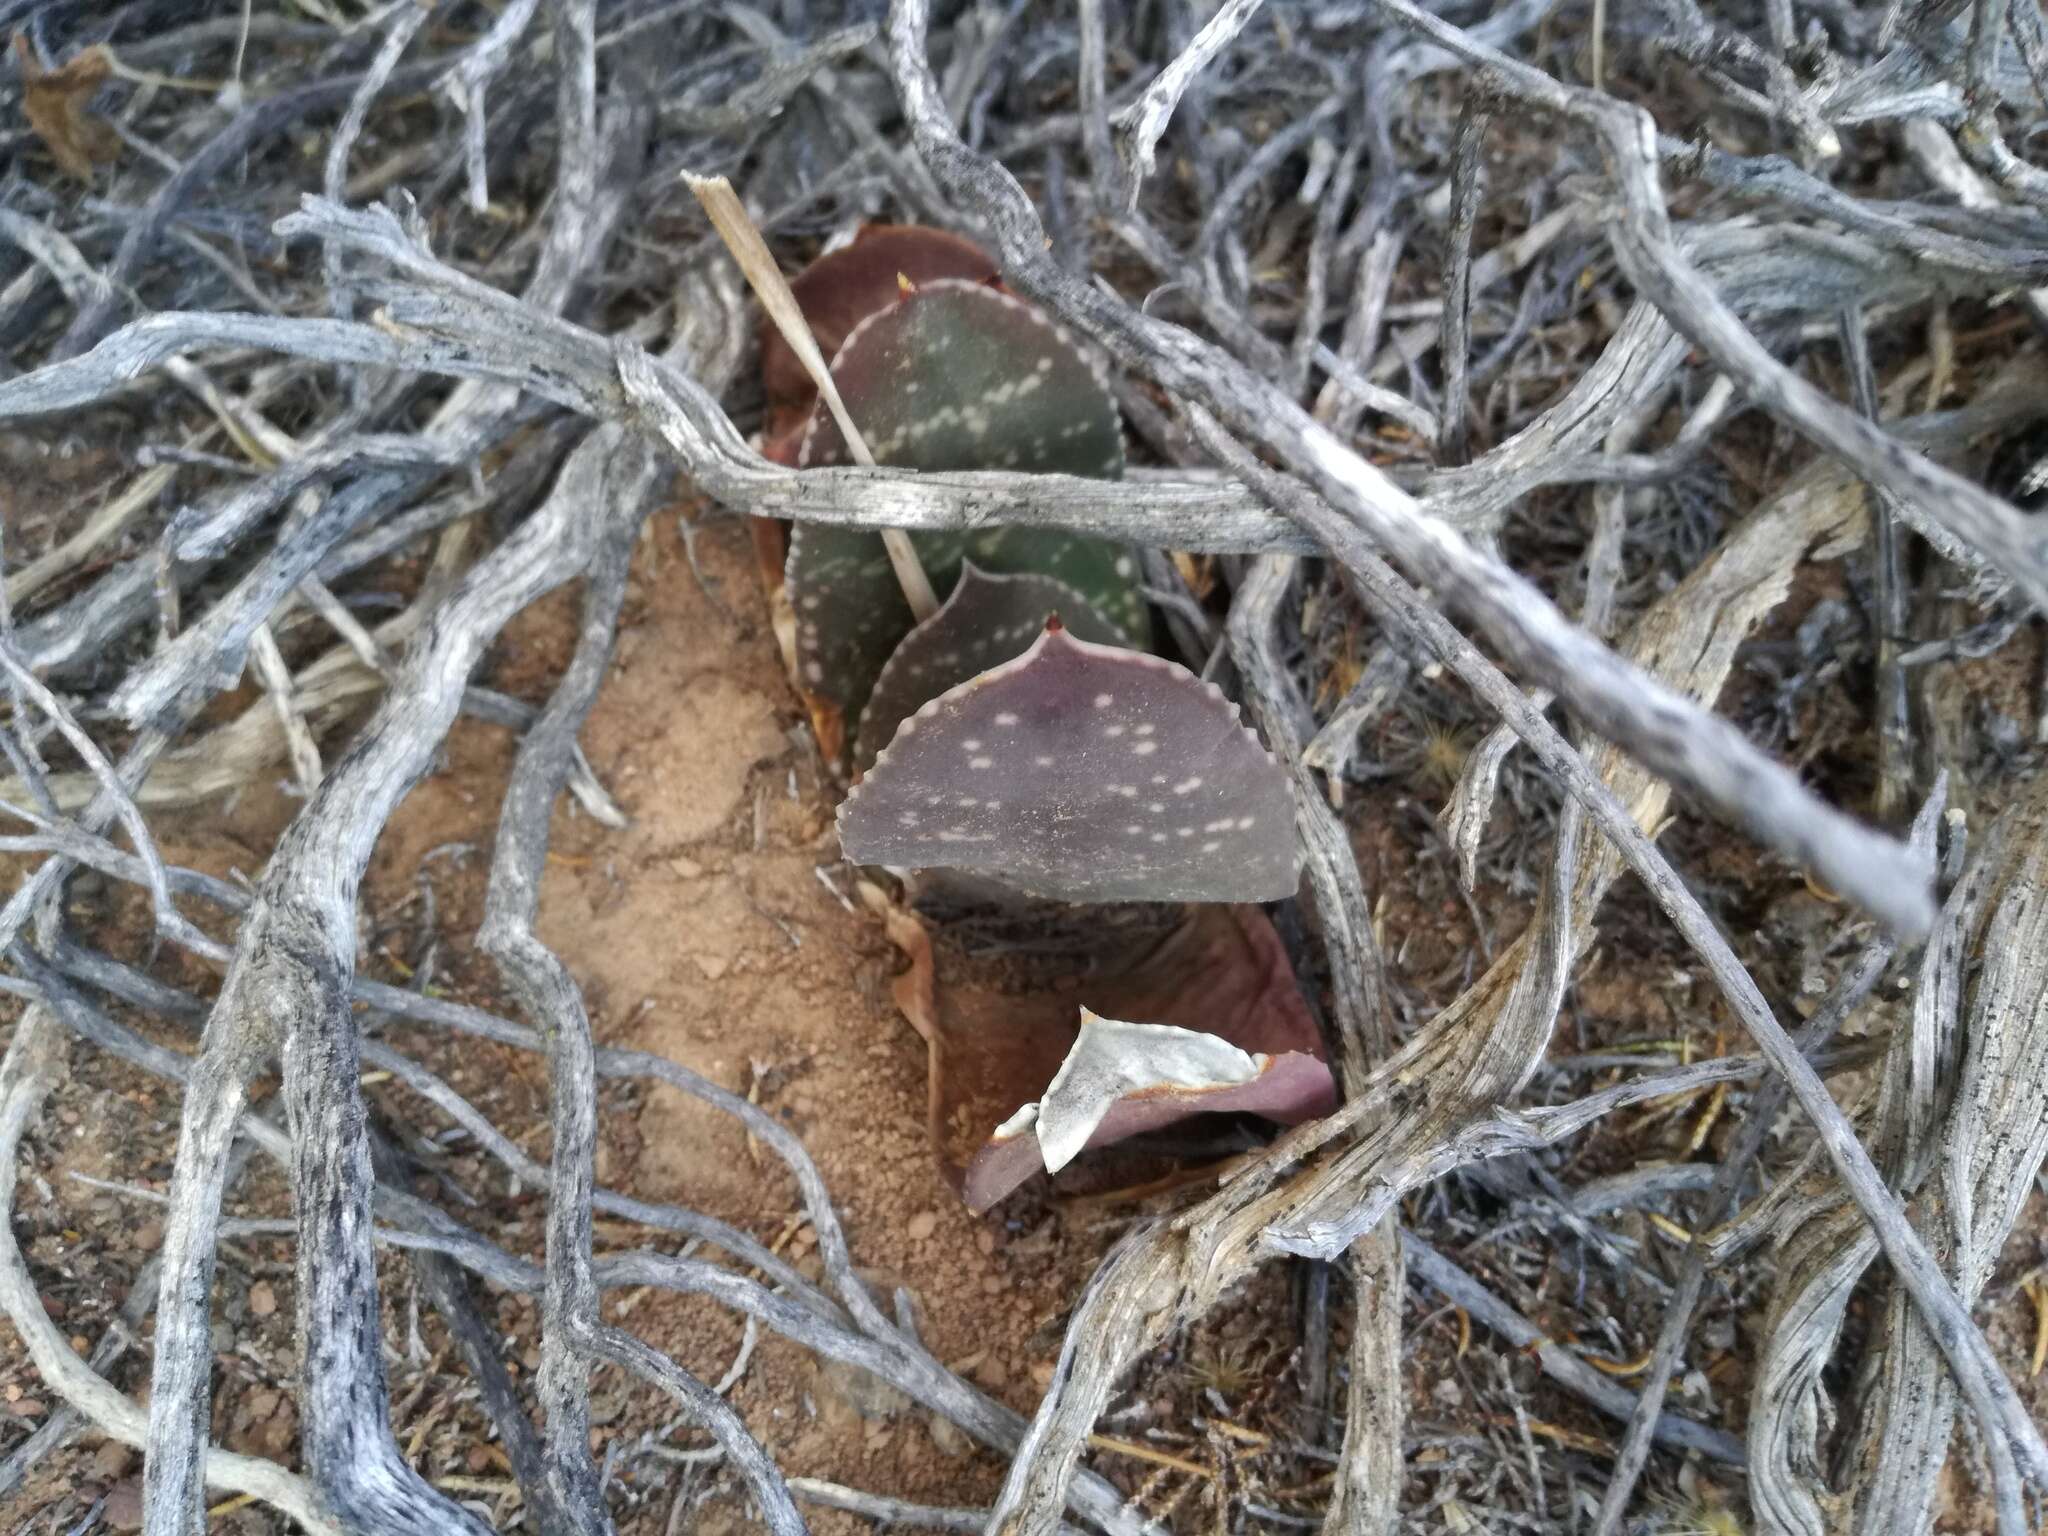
1022	738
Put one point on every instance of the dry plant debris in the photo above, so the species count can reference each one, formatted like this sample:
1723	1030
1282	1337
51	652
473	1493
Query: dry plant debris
1618	431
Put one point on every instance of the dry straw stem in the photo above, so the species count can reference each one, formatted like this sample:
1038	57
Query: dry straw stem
757	264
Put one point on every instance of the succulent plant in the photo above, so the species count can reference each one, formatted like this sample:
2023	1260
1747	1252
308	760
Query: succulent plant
1082	772
1020	743
988	620
955	375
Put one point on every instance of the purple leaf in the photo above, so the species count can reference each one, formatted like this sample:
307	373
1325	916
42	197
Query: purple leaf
988	620
1122	1080
1082	773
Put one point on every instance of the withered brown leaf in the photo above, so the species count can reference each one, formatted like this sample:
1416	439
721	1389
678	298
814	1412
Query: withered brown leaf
56	102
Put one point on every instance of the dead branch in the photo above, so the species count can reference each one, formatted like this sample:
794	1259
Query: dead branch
32	1067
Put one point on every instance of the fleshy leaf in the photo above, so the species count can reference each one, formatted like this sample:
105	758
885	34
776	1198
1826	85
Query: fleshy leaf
988	620
842	288
955	376
1080	773
1122	1080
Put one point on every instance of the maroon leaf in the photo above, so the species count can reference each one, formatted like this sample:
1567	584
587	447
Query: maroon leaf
995	1045
1080	772
1121	1080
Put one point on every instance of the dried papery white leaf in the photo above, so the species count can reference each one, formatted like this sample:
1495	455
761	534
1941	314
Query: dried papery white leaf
1121	1080
1024	1120
1112	1060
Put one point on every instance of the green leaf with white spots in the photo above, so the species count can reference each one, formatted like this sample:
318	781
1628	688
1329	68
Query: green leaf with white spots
956	376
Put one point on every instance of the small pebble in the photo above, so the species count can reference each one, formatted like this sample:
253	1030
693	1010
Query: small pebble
923	1225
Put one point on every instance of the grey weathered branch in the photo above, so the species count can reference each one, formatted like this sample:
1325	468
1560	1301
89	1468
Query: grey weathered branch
545	992
1692	746
1761	1115
1366	1496
1962	519
287	989
1987	1154
33	1066
1142	124
2010	1432
792	1310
